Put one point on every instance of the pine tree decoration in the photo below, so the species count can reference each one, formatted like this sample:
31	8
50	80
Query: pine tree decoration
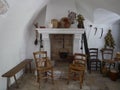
109	41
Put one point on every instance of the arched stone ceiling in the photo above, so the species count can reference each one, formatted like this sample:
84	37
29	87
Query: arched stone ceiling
102	16
92	9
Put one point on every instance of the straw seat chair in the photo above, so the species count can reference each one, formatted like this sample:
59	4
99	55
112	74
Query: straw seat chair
44	67
77	68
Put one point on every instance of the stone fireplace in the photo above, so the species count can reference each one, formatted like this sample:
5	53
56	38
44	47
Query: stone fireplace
56	40
61	46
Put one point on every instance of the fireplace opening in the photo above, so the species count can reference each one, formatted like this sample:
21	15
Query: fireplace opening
63	52
61	46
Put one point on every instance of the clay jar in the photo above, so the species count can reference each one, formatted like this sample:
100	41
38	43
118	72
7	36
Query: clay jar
54	23
65	22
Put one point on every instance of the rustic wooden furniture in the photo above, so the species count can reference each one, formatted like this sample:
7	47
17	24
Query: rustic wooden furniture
107	58
117	60
43	66
77	68
94	62
15	70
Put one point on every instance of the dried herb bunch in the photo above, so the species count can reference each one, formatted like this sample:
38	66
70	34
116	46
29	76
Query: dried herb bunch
80	18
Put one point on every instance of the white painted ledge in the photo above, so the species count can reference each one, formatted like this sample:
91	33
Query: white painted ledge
60	30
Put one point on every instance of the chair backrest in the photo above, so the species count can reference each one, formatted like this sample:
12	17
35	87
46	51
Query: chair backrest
107	54
93	52
80	58
40	58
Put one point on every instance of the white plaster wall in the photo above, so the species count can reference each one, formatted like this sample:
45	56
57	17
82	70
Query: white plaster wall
56	9
13	33
91	5
31	47
85	9
41	17
116	35
94	40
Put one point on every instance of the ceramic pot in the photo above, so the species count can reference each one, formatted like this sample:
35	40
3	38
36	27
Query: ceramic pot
80	25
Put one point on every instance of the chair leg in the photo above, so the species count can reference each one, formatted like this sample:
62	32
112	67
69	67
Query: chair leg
46	73
114	65
96	65
109	66
39	84
39	79
37	76
82	76
68	76
52	76
100	67
90	67
81	79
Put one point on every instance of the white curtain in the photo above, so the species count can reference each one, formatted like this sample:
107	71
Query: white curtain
3	6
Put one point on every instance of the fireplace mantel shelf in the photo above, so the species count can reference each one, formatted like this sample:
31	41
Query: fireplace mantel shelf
60	30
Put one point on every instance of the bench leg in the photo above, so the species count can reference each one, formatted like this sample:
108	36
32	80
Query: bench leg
25	69
8	83
30	67
16	81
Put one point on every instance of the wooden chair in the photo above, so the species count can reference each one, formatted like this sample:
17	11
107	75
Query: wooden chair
107	58
77	68
94	62
43	66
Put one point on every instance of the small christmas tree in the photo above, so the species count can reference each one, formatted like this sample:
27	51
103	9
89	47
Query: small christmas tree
109	41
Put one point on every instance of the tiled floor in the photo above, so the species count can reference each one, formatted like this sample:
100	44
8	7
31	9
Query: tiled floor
93	81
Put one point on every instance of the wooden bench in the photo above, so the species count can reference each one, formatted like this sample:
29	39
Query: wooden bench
16	69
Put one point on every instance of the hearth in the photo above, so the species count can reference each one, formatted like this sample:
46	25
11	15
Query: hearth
61	46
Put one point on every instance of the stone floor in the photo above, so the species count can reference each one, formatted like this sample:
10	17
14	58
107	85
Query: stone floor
93	81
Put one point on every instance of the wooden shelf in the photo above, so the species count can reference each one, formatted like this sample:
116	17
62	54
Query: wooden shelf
60	30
